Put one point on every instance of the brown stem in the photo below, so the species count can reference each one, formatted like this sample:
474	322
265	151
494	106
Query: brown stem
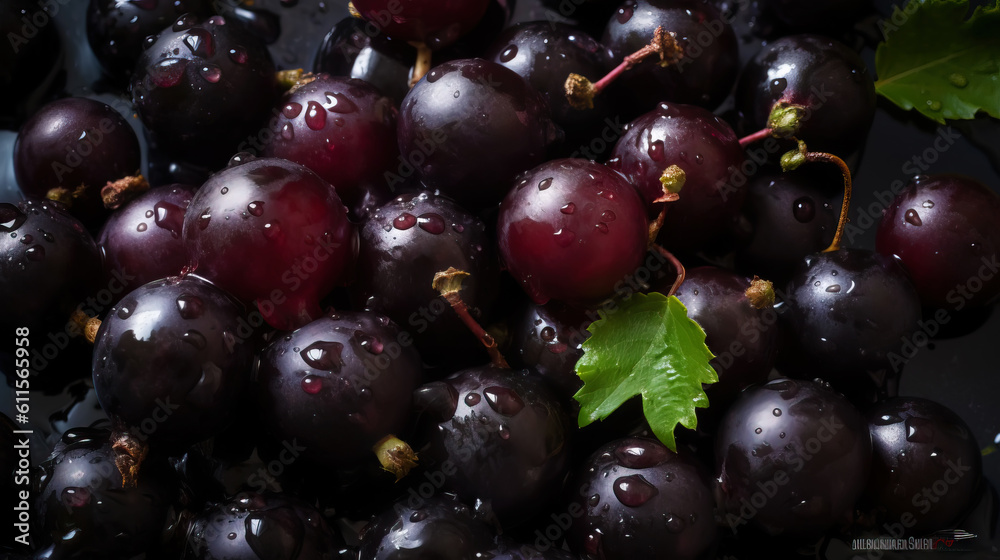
395	455
88	325
116	193
580	91
449	283
288	80
423	63
795	158
677	266
672	179
760	294
130	452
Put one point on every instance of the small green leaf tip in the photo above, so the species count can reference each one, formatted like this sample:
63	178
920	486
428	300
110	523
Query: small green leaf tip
647	346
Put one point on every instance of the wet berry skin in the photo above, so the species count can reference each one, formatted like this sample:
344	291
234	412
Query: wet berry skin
440	527
202	87
341	128
641	500
501	436
548	339
437	23
818	73
141	241
404	243
926	468
116	30
800	448
458	146
572	230
49	264
72	143
337	386
272	231
252	526
170	361
82	510
706	149
944	231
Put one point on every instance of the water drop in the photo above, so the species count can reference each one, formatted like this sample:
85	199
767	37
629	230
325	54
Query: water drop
625	14
323	355
431	223
776	412
928	204
913	218
564	237
503	400
504	431
674	523
404	221
315	116
569	208
74	497
934	105
758	431
804	209
238	55
833	288
371	344
196	339
211	73
200	42
634	490
919	430
548	333
777	86
291	110
544	184
35	253
312	384
204	219
190	307
655	151
608	216
472	399
168	72
418	516
272	230
958	80
594	500
602	227
640	455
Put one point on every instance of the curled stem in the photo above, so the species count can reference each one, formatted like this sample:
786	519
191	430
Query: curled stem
681	272
795	158
449	283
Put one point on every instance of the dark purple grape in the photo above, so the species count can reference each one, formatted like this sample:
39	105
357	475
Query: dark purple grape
117	29
707	69
255	526
549	340
544	54
793	457
272	231
926	469
32	55
500	437
825	77
944	230
201	88
75	144
338	386
170	362
849	311
438	527
789	216
141	241
357	49
708	152
83	511
341	128
48	265
641	500
572	230
437	23
469	127
404	243
743	336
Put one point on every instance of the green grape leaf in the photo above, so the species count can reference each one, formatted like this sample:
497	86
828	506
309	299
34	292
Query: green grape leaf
648	346
938	62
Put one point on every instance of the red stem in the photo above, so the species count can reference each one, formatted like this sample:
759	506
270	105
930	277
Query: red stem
759	135
677	266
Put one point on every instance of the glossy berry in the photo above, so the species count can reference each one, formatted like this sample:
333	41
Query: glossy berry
788	216
458	146
822	75
548	339
571	230
404	243
792	457
743	337
926	465
642	500
117	29
171	361
437	23
337	386
252	526
544	54
342	129
943	229
141	241
357	49
849	311
81	509
49	264
439	527
78	144
707	69
709	153
500	436
201	88
272	231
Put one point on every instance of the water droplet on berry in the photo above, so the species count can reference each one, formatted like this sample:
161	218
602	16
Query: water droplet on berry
887	420
548	333
634	490
74	497
431	223
315	116
196	339
564	237
186	21
323	355
777	86
758	431
211	73
919	430
35	253
594	500
544	184
272	230
168	72
625	14
602	227
371	344
312	384
217	20
833	288
190	307
204	219
200	42
504	431
640	455
256	208
141	227
913	218
503	400
339	103
776	412
291	110
404	221
418	516
472	399
804	209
